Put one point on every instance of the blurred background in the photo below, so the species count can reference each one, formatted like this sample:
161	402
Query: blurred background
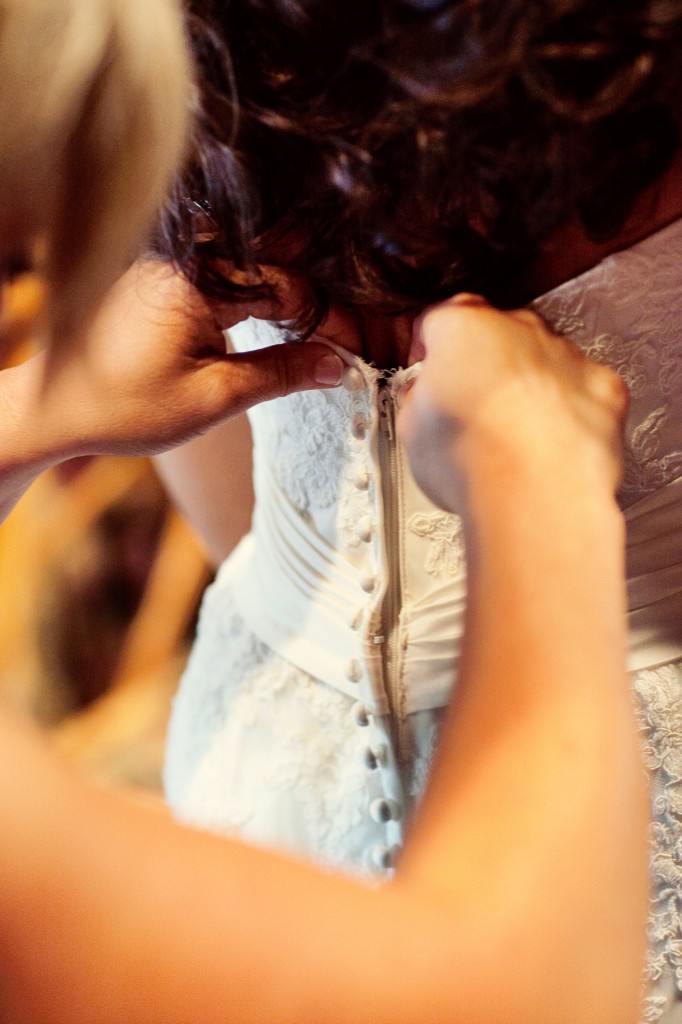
100	582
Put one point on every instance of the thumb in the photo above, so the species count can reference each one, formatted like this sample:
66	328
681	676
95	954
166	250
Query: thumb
243	379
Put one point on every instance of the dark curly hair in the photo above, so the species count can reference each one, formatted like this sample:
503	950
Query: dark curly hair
402	150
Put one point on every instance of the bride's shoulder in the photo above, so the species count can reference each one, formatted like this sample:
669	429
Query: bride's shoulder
570	252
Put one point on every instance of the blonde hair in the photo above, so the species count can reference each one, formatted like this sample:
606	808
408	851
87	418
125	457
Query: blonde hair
94	98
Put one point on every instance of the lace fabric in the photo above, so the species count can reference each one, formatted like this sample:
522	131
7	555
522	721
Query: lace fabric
446	555
659	693
258	742
626	313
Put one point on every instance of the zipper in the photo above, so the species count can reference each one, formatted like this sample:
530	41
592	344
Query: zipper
389	636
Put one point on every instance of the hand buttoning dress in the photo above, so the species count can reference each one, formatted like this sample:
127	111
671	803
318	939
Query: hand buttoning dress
328	643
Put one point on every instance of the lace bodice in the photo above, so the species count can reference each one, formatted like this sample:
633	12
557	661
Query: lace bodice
627	314
328	644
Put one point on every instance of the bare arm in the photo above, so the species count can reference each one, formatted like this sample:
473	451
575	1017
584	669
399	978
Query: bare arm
521	895
543	713
210	477
210	481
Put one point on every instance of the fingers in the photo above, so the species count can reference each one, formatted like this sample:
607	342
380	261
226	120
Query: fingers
609	389
422	324
476	329
244	379
506	383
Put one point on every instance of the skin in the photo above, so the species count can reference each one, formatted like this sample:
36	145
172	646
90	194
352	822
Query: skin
534	823
151	372
189	471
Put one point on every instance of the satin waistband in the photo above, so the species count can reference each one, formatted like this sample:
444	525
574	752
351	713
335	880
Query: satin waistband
302	598
296	593
298	596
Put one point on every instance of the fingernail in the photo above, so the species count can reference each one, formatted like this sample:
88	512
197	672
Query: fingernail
467	299
328	370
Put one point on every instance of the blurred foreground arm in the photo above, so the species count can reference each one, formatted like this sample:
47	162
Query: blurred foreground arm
521	896
540	763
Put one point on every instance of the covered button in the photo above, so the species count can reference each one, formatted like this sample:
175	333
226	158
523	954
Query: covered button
356	618
360	714
361	479
368	582
383	810
353	379
354	671
359	427
364	529
374	757
384	856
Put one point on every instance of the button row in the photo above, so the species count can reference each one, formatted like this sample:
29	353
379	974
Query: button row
382	810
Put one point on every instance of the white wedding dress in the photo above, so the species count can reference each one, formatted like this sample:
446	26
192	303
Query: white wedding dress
328	643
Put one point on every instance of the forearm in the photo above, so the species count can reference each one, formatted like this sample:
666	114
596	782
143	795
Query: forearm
112	914
29	442
127	918
526	864
538	802
210	481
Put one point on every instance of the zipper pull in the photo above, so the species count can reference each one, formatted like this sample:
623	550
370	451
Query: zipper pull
386	409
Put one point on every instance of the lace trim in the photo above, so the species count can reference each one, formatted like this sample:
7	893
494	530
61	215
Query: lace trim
659	693
445	533
639	288
310	447
653	1009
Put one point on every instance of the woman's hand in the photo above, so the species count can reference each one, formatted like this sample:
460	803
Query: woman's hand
151	372
500	393
513	428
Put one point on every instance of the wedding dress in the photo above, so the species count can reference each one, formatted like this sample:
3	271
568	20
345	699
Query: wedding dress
328	644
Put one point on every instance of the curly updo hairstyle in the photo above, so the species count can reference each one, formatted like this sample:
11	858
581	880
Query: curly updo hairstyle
407	149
